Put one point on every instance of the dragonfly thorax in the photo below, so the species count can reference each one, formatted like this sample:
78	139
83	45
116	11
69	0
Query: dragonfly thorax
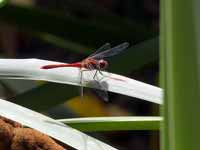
94	64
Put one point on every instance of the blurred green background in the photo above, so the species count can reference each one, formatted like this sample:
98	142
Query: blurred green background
68	31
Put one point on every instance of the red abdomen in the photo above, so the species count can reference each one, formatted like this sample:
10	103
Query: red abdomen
78	64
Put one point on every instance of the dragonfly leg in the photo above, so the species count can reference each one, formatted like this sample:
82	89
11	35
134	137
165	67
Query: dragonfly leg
81	83
95	75
101	74
82	76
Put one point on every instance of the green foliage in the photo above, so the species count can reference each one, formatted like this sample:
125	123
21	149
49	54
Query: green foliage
114	123
3	2
180	74
83	31
45	96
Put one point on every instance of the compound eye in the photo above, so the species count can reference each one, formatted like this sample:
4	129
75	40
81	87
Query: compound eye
102	64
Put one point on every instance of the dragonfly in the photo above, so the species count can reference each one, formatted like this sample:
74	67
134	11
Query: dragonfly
95	61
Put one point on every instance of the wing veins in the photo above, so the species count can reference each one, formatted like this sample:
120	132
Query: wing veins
111	52
104	47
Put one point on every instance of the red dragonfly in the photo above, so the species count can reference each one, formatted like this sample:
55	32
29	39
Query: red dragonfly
93	62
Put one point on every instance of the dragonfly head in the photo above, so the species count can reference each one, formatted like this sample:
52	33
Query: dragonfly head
103	64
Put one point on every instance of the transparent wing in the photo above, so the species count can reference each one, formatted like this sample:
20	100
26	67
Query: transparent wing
102	48
111	52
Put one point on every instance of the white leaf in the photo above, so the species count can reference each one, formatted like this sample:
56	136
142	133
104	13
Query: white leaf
31	69
51	127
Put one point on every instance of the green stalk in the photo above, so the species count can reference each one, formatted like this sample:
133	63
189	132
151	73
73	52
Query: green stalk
180	52
114	123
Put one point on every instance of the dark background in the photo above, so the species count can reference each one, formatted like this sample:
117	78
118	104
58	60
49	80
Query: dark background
69	30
